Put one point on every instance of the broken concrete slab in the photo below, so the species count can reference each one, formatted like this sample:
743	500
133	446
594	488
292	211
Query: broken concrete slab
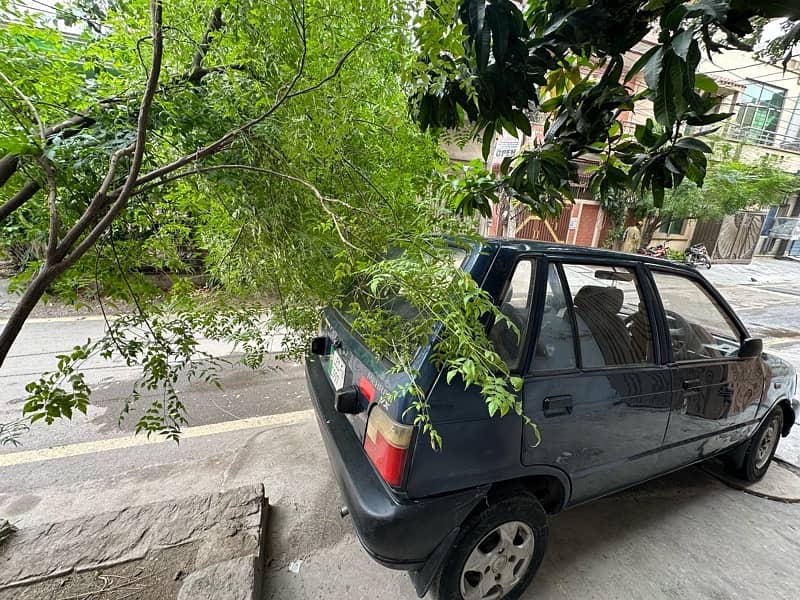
236	579
218	528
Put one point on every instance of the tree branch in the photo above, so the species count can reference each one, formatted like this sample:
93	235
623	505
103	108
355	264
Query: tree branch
8	166
224	141
21	197
214	25
323	199
52	195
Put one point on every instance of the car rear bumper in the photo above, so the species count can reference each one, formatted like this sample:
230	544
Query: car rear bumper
398	533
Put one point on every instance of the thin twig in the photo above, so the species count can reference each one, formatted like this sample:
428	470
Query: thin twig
27	101
323	200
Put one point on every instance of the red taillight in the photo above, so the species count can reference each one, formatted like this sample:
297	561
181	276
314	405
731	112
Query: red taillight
386	444
367	389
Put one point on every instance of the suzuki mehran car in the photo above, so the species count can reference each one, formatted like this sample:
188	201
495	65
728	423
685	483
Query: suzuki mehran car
633	367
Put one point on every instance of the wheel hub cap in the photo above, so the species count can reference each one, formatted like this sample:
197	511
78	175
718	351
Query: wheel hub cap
767	444
498	562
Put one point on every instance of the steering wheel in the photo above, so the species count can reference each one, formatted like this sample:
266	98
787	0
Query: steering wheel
681	334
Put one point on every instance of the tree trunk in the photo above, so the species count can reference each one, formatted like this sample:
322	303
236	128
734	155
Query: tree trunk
34	292
649	228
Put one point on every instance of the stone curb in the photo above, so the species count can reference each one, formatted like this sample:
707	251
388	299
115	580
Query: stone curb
227	531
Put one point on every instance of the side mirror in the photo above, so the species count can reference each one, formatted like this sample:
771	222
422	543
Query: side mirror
751	348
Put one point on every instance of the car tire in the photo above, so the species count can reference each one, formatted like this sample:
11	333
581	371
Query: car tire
486	555
761	448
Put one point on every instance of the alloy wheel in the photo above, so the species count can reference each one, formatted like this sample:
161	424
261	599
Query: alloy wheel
498	562
767	444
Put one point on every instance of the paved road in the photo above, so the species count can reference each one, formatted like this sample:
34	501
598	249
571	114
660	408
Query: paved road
641	544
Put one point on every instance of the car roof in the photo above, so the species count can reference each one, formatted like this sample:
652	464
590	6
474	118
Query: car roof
570	251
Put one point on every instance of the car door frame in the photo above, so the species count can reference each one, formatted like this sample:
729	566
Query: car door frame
646	292
670	456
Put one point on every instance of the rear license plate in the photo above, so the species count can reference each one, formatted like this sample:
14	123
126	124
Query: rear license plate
338	369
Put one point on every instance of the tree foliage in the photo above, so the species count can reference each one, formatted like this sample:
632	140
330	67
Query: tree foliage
488	63
265	149
730	185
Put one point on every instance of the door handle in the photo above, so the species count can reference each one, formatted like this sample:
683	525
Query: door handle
555	406
691	383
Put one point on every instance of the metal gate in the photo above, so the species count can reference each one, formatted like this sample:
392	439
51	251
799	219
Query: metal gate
732	239
530	227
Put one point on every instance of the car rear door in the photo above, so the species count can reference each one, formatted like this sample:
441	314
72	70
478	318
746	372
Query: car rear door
715	394
597	385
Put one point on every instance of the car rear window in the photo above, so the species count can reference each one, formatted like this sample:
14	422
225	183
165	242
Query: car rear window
397	305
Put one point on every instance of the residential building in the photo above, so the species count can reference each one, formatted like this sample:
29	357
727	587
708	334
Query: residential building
765	102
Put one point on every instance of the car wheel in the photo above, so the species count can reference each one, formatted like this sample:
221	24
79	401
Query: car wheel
761	448
497	552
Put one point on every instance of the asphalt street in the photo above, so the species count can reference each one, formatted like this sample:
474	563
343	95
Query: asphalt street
259	427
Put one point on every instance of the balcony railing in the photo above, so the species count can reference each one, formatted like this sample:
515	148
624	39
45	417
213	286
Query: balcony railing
786	228
754	135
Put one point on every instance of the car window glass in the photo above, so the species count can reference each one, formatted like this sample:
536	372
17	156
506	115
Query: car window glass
555	345
610	314
698	327
516	306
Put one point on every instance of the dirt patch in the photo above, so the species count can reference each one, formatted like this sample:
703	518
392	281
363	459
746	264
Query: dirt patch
158	576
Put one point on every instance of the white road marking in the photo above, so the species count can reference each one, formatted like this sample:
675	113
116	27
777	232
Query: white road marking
130	441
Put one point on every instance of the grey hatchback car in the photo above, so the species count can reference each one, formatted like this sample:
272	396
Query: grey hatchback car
633	367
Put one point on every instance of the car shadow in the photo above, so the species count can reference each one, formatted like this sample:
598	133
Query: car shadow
619	533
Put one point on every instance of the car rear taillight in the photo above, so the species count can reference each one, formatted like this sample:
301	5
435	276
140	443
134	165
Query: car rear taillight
367	389
386	444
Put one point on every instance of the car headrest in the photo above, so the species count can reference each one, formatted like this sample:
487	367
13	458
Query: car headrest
555	302
600	297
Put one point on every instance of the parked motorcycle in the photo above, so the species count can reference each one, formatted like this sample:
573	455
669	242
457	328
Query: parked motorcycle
697	256
659	251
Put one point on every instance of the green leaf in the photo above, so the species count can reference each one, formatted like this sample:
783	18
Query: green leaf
551	104
640	63
498	21
705	83
534	166
488	137
668	102
682	41
652	70
613	70
521	122
693	143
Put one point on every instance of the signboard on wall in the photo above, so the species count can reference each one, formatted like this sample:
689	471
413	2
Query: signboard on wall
506	146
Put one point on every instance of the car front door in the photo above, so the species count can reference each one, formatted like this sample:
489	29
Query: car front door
715	394
597	386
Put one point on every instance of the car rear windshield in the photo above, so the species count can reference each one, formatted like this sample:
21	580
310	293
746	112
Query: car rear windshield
397	305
